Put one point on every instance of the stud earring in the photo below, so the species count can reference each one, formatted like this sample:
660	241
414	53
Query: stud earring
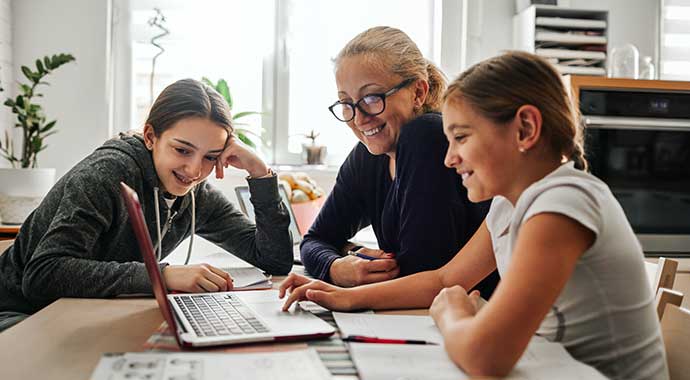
521	150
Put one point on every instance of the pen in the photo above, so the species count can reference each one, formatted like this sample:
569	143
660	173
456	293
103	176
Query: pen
368	339
362	256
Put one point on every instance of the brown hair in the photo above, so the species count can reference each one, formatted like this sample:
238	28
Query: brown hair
499	86
396	52
188	98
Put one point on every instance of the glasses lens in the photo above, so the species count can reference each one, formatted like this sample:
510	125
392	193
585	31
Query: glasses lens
372	104
342	111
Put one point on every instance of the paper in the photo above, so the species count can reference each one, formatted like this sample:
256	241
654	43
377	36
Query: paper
246	278
410	327
542	360
299	364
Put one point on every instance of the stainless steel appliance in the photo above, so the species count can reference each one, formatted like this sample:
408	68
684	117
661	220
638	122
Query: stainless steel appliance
637	140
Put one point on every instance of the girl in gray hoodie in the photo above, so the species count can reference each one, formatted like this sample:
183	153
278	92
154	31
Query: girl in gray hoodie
79	243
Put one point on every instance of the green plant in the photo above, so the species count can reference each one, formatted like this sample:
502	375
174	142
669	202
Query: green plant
30	116
242	133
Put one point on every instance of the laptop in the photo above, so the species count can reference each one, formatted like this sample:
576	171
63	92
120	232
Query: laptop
222	318
243	196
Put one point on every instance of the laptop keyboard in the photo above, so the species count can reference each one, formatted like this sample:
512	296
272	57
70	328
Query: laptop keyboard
219	315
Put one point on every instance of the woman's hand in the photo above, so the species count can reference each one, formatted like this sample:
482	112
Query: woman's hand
352	271
454	304
242	157
199	278
305	289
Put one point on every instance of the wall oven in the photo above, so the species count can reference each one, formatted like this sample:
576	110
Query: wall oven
637	140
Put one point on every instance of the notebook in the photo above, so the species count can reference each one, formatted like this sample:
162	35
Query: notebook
211	319
243	196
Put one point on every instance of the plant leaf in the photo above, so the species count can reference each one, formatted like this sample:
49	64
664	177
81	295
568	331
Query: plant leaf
208	82
246	113
28	73
39	66
223	89
245	139
48	126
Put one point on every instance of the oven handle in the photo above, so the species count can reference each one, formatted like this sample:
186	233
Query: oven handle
656	124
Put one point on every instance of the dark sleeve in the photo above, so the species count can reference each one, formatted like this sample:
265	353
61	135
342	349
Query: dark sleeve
436	219
266	244
65	262
342	215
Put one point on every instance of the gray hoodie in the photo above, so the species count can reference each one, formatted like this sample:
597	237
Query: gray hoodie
79	242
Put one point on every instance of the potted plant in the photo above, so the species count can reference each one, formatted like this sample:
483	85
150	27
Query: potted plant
245	135
313	154
23	186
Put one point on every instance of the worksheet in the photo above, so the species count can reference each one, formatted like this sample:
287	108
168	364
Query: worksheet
405	327
543	360
288	365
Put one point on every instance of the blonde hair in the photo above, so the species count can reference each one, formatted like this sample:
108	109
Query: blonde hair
392	49
497	87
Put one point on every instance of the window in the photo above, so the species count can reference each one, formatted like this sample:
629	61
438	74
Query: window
675	40
312	34
276	56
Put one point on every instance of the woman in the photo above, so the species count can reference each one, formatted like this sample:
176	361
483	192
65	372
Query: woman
78	242
394	179
572	270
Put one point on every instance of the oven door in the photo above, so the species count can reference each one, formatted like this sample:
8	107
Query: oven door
646	163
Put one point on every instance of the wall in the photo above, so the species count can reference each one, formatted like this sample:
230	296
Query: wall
6	71
76	96
491	21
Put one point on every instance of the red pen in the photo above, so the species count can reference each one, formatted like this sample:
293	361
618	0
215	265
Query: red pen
369	339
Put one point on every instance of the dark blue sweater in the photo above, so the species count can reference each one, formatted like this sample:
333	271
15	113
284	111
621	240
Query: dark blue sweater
423	215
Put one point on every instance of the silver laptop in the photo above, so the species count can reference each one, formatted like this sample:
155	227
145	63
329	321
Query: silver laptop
211	319
243	196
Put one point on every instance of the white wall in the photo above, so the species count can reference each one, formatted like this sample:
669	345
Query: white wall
491	21
76	96
6	71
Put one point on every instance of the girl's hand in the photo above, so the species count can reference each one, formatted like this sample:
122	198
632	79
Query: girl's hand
454	303
242	157
305	289
199	278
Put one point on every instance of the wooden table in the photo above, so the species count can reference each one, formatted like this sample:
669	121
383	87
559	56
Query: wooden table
66	339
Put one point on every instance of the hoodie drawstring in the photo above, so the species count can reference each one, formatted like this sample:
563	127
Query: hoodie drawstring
159	246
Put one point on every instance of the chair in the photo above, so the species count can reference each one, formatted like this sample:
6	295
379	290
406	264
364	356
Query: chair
675	328
667	297
662	274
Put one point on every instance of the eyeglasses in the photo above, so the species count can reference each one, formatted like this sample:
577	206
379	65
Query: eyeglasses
370	105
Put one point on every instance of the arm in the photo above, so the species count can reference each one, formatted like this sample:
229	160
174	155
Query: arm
343	214
467	268
490	342
266	244
67	260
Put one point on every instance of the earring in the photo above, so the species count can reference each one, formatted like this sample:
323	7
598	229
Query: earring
521	150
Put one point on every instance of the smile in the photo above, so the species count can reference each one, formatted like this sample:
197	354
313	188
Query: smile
373	131
466	175
182	179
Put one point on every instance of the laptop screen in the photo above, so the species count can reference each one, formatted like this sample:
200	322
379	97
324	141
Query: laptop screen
160	290
243	196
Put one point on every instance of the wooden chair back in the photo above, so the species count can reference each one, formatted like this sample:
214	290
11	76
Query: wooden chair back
675	328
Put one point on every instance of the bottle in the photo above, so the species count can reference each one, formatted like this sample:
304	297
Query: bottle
625	62
647	69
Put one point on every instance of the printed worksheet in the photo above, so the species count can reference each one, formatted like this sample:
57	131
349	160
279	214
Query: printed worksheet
288	365
406	327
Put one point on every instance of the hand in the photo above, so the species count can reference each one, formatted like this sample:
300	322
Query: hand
351	271
199	278
242	157
302	288
454	303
